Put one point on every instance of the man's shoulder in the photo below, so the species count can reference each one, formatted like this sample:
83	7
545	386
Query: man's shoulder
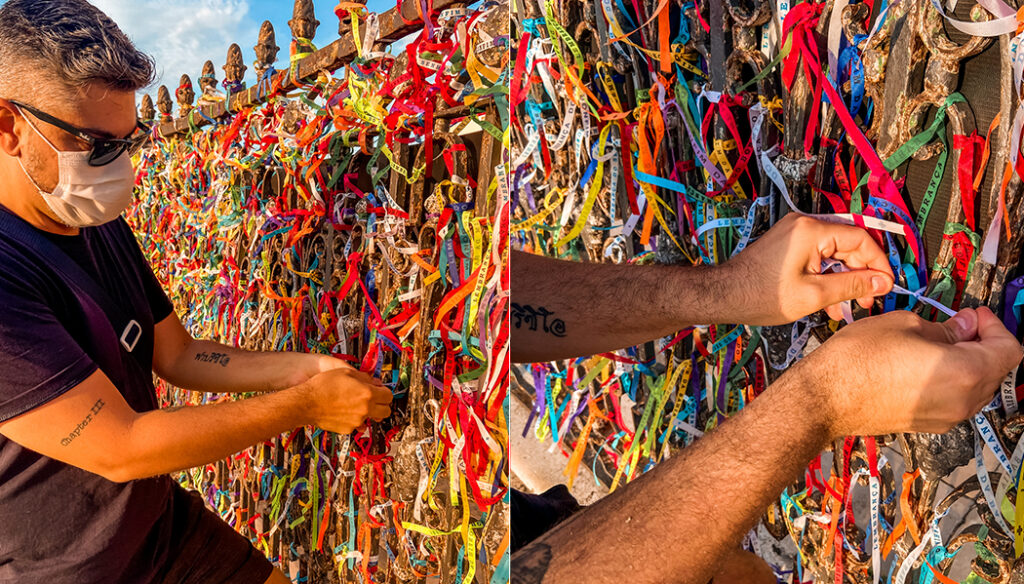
19	254
26	262
23	272
115	231
18	239
121	235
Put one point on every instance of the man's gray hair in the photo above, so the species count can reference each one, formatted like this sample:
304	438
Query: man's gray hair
68	41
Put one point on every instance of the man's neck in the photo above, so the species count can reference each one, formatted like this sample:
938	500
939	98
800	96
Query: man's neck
26	203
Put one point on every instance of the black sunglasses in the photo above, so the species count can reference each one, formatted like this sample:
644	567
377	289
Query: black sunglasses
104	150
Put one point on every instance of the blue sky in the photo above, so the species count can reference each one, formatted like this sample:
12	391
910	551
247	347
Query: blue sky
182	34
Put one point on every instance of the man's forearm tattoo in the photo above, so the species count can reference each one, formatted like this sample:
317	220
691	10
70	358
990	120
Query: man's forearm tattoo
221	358
96	407
528	317
530	565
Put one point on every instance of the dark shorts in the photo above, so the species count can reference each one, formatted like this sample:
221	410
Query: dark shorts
209	551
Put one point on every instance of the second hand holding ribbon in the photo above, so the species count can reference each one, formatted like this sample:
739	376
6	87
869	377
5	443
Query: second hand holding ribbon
838	266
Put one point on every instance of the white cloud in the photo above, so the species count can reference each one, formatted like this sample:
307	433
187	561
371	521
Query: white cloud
182	34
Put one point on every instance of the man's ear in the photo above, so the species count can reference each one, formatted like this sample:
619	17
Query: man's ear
9	142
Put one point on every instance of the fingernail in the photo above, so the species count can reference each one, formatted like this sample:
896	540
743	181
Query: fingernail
961	322
878	284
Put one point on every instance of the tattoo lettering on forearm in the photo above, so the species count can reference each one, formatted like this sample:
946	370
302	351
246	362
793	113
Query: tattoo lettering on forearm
96	407
221	358
529	317
530	565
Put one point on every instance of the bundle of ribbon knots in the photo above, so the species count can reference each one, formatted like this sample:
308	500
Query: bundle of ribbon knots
335	213
679	132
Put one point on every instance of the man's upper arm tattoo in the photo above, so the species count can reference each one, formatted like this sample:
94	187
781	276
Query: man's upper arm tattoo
527	317
96	407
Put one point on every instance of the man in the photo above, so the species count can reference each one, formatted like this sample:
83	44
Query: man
683	521
84	449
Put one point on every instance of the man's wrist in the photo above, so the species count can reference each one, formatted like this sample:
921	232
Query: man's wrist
808	395
299	369
714	296
301	404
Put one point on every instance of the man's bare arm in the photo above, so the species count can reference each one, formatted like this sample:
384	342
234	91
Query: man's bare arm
567	309
676	522
208	366
92	427
672	523
564	309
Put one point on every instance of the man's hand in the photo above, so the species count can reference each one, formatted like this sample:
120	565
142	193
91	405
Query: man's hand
566	309
778	278
900	373
342	398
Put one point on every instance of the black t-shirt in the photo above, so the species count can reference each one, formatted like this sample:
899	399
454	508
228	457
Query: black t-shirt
60	524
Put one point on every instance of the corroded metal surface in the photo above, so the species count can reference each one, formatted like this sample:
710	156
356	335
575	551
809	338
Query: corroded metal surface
146	111
303	23
266	49
185	95
164	103
234	68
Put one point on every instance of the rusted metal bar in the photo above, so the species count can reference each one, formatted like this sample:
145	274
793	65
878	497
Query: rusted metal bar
147	112
393	26
484	168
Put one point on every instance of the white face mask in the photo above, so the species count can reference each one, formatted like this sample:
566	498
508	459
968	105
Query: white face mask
86	195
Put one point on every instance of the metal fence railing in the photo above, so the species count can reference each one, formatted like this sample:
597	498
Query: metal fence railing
351	203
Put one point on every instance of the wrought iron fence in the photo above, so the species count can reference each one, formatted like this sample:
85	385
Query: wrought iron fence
352	203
